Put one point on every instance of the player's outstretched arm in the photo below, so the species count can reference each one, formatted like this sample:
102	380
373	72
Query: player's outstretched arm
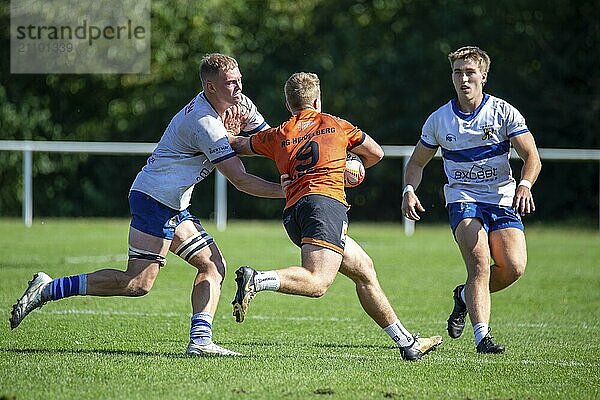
235	172
532	165
369	151
241	145
413	174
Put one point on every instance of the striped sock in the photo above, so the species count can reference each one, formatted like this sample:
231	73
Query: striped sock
480	330
201	330
399	334
67	286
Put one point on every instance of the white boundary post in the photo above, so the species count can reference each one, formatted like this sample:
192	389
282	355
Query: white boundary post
220	207
220	201
27	188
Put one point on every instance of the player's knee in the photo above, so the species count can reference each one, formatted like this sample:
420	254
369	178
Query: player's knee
139	287
319	287
216	274
213	271
518	270
319	291
365	272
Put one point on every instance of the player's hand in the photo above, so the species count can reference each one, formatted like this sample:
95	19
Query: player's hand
285	182
410	206
235	119
523	201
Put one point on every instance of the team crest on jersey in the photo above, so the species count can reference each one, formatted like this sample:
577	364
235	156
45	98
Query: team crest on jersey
305	124
450	138
488	131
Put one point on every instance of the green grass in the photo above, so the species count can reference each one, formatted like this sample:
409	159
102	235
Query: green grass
298	348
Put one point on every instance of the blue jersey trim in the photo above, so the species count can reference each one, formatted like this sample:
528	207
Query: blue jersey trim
470	116
517	133
257	129
430	146
477	153
225	157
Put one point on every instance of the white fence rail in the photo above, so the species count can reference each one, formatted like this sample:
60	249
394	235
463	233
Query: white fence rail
220	206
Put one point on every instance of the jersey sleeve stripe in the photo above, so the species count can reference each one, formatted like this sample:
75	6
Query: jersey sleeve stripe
431	146
252	147
223	158
361	141
517	133
257	129
477	153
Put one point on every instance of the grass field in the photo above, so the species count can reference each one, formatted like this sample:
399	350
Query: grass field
297	348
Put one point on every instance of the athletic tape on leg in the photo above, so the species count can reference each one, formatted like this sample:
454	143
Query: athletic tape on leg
140	254
193	245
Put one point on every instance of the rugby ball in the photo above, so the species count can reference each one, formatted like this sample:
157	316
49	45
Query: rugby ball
355	170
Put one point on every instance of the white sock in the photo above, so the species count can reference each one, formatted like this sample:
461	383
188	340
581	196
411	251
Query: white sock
267	280
480	330
399	334
462	294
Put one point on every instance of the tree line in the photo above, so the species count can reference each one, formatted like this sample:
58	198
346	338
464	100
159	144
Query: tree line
382	65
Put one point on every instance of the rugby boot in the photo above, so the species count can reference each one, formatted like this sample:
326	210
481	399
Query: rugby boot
456	320
208	350
489	346
32	298
420	347
244	278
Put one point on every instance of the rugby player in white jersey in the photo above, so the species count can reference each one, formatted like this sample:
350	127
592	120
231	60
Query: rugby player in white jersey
475	132
193	144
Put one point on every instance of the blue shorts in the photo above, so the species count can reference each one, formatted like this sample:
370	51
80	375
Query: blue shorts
318	220
154	218
492	216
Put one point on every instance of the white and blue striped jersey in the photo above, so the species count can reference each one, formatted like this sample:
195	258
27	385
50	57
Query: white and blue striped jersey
194	141
476	149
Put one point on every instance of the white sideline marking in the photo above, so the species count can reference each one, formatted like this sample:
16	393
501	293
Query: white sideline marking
112	312
96	259
541	325
503	361
174	314
269	317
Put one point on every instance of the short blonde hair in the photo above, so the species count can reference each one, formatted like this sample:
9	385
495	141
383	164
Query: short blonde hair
474	53
301	90
212	63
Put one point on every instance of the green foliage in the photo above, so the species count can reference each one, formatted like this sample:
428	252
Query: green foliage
298	348
383	66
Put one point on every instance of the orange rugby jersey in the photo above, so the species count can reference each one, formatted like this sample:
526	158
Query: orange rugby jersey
311	148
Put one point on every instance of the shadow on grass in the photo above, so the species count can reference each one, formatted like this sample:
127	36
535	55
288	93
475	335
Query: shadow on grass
179	355
98	351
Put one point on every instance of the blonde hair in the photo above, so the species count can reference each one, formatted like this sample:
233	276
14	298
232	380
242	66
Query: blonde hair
301	90
474	53
212	63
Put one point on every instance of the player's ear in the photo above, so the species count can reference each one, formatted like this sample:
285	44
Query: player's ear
209	87
287	105
317	103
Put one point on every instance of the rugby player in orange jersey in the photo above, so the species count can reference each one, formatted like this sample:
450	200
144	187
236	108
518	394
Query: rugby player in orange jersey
310	151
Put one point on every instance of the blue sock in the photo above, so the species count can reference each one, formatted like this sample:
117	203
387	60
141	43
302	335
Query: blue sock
201	330
68	286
